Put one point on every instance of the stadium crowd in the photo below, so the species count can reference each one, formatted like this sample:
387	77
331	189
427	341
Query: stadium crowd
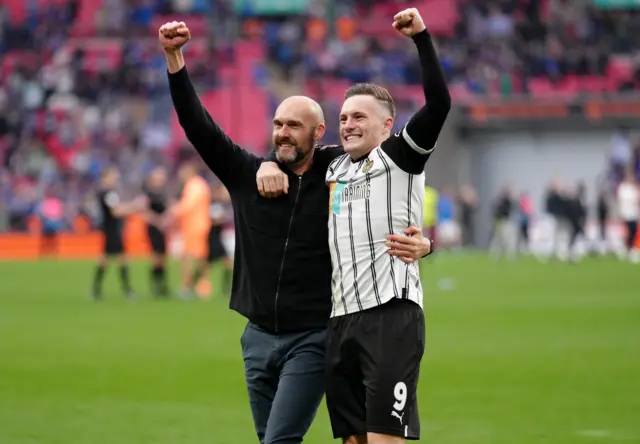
67	111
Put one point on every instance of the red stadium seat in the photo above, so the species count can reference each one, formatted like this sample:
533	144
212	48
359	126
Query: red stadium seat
440	16
460	93
620	68
594	84
101	54
16	9
568	87
85	23
541	87
196	48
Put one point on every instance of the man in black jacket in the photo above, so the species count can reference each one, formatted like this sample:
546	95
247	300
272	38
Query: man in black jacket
282	269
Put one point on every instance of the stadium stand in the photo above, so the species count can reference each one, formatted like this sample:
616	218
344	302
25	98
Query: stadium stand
92	70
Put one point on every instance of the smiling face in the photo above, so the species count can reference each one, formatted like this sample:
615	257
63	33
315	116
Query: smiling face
297	127
366	119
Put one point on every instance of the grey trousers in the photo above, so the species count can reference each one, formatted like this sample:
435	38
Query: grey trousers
285	376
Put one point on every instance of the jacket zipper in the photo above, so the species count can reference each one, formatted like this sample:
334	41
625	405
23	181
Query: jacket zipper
284	253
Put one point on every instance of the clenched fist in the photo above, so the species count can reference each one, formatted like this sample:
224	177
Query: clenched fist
409	22
174	35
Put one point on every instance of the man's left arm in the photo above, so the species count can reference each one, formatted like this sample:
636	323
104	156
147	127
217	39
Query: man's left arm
420	134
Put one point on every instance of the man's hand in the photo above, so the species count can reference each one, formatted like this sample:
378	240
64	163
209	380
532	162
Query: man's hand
409	248
271	181
409	22
173	36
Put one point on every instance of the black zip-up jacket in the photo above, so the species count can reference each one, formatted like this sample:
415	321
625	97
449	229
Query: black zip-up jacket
282	270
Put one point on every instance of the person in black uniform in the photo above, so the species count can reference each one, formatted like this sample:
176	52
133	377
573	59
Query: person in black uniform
154	191
219	218
602	210
113	211
557	208
504	239
576	215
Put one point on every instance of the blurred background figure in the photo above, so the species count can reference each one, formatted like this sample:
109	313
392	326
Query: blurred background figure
505	236
603	198
576	212
221	216
525	216
51	212
468	201
628	199
448	226
557	208
191	217
156	193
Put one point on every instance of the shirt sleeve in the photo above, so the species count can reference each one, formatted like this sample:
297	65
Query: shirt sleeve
411	147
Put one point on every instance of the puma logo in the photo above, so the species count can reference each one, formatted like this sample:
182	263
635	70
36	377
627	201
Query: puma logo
397	415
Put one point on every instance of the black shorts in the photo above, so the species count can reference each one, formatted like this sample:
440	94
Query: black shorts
216	248
113	244
373	365
157	240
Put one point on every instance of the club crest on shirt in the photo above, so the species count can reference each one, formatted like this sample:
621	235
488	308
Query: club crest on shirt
368	164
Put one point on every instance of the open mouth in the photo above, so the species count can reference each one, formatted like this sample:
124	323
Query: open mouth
351	137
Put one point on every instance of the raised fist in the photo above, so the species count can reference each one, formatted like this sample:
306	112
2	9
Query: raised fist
409	22
173	35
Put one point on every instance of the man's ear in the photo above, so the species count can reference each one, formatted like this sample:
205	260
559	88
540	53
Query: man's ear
388	124
319	131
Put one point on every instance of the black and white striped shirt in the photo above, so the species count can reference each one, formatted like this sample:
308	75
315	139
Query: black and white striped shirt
381	194
369	199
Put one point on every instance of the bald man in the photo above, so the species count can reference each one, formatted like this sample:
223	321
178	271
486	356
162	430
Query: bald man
282	265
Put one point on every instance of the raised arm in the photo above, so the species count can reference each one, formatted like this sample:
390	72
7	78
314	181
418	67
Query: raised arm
421	133
226	159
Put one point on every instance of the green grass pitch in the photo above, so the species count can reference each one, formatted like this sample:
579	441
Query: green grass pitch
523	353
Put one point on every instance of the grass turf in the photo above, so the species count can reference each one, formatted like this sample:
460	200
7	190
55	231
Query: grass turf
523	353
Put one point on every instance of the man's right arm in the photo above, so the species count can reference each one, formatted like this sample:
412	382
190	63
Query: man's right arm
222	156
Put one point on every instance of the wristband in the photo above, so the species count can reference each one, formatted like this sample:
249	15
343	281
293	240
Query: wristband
431	248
